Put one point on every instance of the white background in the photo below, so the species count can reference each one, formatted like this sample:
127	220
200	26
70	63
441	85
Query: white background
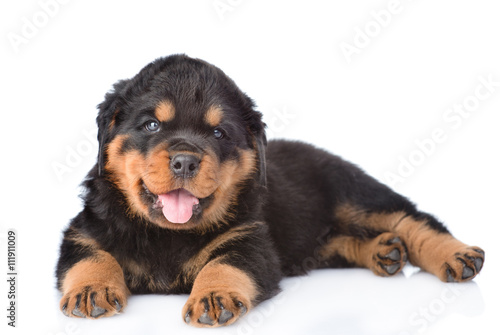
371	108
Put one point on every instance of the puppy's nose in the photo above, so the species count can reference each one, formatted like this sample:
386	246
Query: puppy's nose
185	166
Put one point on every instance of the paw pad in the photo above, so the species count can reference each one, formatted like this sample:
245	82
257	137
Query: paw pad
214	309
464	265
92	302
390	255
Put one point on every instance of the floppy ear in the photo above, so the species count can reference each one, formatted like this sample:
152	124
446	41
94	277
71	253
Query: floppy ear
261	149
107	112
258	132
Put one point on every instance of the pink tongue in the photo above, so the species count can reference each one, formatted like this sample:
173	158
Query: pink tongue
178	205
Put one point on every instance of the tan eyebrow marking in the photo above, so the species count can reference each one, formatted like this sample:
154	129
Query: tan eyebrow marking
214	116
165	111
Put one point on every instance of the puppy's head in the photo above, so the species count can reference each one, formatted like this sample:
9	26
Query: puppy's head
179	140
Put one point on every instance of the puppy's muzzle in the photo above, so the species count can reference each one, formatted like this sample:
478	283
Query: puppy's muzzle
185	165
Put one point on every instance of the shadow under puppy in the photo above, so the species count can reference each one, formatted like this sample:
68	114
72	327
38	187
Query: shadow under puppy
188	197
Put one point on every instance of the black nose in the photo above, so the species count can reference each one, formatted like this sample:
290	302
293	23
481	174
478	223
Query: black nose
185	166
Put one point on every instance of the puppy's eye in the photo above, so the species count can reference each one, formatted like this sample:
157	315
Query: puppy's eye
152	126
218	133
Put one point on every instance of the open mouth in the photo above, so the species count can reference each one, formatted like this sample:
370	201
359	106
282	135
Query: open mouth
178	205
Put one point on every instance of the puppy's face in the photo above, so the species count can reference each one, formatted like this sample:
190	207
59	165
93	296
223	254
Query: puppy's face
179	140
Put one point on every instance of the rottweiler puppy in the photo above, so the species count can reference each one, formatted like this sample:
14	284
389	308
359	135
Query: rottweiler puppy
187	196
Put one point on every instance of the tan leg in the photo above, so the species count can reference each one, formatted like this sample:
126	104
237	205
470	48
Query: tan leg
385	255
94	288
439	253
429	245
221	294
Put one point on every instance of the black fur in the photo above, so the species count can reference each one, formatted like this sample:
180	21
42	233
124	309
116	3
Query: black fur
292	195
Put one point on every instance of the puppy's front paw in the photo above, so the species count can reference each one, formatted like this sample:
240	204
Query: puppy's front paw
214	309
93	301
221	294
94	288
